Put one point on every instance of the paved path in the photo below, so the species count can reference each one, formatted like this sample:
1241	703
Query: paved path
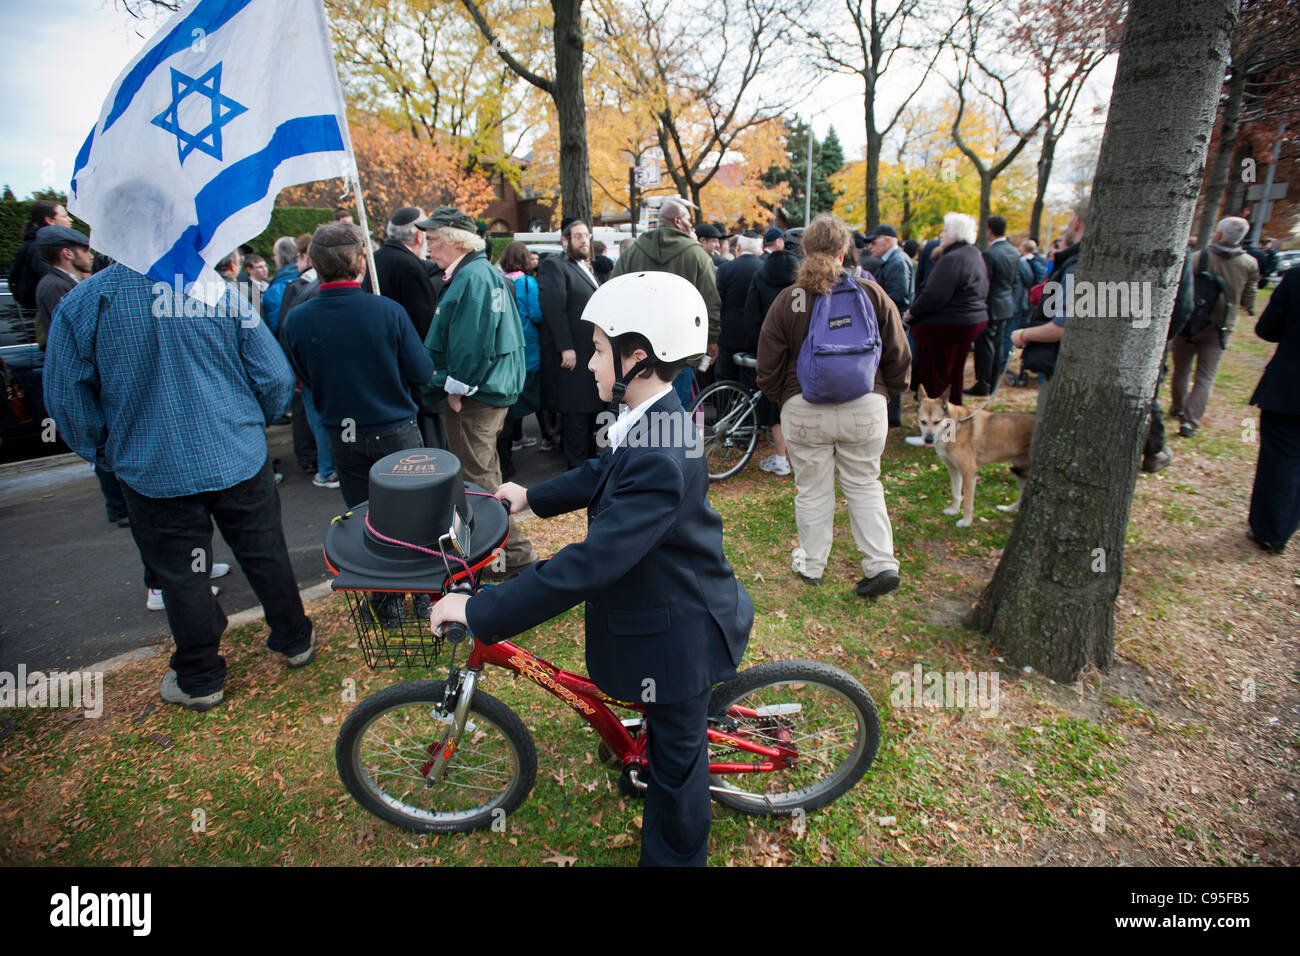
73	591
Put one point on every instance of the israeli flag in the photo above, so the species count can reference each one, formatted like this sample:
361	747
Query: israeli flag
229	103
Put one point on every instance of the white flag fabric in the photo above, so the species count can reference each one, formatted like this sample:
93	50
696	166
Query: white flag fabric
230	102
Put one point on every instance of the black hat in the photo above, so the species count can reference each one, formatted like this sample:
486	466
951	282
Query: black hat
882	230
448	216
705	231
405	216
390	543
772	235
60	236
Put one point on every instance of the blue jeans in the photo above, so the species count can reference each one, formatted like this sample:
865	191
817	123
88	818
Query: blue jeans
682	385
324	459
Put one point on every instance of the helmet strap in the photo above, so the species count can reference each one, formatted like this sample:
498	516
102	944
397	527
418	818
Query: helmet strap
620	386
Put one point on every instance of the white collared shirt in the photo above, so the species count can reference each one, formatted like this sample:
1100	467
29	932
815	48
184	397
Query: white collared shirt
630	416
447	272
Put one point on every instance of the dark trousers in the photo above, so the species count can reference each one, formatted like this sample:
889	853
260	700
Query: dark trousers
1275	499
353	459
990	359
678	811
168	532
941	352
578	438
1156	429
512	431
304	441
114	503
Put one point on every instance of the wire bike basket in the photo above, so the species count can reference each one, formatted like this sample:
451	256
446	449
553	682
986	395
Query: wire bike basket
393	556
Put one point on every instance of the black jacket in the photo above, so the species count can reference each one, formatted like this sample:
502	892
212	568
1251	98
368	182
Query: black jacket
1279	388
1003	264
26	274
734	280
563	288
664	611
957	290
924	265
894	275
779	270
404	279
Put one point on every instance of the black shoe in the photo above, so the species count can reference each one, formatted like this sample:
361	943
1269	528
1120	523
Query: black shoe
1153	463
1186	431
979	389
1022	380
882	583
1268	547
814	582
122	522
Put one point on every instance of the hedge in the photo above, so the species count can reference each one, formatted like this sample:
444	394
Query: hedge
285	221
13	219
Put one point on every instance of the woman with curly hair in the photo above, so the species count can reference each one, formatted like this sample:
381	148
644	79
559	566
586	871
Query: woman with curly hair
823	438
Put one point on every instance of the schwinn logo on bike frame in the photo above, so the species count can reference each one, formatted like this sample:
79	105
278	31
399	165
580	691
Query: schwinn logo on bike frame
531	669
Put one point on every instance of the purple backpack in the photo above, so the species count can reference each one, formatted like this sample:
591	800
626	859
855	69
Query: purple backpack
840	356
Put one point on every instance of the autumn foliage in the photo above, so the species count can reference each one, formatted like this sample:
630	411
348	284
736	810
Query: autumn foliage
399	169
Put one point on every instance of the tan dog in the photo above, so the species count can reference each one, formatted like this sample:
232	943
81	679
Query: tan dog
965	440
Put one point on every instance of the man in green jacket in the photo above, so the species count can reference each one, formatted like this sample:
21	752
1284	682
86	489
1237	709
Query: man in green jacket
673	248
477	345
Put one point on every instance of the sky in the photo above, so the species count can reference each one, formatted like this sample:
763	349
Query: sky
48	113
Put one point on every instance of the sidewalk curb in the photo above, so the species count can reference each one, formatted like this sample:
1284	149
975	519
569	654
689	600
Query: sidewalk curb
238	619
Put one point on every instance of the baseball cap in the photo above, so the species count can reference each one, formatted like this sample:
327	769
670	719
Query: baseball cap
882	230
450	217
405	216
772	235
60	236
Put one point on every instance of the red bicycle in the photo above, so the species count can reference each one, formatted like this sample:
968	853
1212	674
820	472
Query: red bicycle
443	756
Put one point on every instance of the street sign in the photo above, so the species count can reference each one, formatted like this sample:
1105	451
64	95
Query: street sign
1266	191
645	176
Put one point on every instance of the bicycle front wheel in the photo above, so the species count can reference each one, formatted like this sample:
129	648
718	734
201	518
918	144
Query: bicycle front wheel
818	712
389	742
730	428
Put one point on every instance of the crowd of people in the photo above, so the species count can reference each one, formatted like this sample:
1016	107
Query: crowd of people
458	353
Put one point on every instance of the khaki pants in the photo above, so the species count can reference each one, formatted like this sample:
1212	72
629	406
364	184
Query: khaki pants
472	437
1205	350
819	439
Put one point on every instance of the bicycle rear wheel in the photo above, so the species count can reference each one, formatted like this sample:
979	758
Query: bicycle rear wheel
730	428
390	739
821	713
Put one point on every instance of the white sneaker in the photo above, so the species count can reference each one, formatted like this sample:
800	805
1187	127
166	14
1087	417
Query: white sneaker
219	570
154	601
525	442
916	440
776	464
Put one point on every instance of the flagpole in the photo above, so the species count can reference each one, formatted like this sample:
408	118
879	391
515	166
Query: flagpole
347	137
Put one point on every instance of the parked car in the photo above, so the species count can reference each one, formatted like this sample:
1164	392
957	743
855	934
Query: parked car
1287	259
22	411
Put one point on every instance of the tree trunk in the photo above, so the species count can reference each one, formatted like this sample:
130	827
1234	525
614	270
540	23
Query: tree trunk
1235	198
1222	167
874	141
1046	156
571	110
905	227
986	206
1051	603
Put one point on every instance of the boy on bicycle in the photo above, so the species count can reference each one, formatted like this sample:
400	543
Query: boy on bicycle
666	618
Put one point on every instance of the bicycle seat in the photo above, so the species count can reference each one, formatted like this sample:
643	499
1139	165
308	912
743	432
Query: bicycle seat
745	360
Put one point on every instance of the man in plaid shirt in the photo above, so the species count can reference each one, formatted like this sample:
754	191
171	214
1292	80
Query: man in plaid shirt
180	394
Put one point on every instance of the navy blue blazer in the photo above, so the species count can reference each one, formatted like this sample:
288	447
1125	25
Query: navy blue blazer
1277	390
663	604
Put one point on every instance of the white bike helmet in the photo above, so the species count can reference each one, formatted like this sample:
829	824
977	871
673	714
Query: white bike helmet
665	308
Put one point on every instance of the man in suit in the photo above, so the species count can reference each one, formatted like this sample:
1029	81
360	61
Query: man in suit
665	616
1003	264
564	286
1275	499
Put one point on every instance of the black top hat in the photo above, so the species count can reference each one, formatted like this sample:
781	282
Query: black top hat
390	543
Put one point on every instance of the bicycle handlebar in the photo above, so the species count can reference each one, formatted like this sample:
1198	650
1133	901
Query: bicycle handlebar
455	632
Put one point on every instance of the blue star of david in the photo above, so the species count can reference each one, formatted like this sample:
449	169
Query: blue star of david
224	109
